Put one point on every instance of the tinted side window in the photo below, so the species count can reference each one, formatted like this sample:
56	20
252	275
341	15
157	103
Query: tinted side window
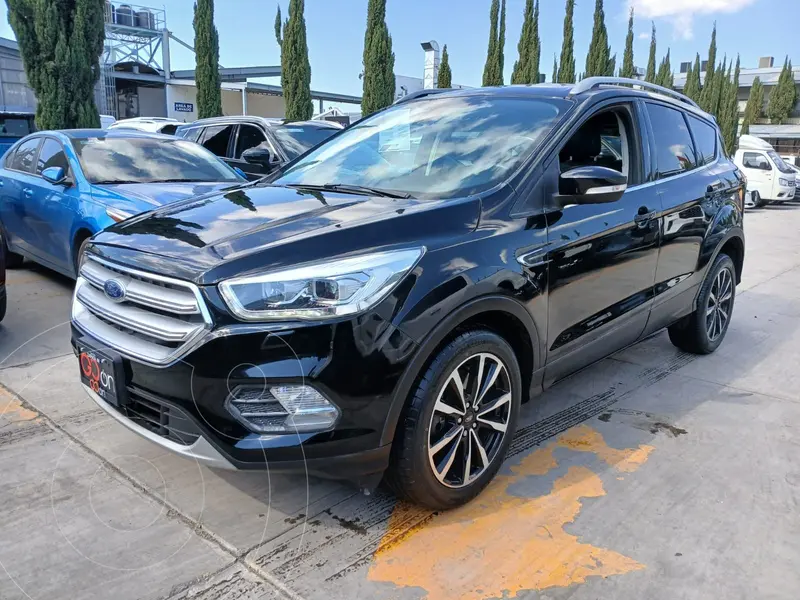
51	155
249	137
25	156
216	138
674	150
705	139
190	134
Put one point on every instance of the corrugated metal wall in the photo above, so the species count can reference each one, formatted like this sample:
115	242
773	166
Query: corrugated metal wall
14	91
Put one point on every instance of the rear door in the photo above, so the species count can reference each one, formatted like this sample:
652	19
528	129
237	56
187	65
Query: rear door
602	257
17	186
218	139
691	181
54	208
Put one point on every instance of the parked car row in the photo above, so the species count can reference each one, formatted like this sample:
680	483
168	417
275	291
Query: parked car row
384	303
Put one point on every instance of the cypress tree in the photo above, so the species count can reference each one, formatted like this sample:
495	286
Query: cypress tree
489	77
278	27
732	112
566	67
628	68
206	47
295	68
599	55
755	105
445	78
501	45
555	68
692	88
783	96
611	66
650	76
664	76
707	93
526	68
718	85
60	42
378	61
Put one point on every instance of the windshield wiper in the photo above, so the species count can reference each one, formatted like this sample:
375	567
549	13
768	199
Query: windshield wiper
351	189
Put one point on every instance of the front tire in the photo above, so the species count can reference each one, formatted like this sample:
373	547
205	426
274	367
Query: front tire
459	422
12	259
703	331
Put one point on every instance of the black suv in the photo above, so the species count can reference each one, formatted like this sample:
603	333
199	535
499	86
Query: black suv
388	301
257	145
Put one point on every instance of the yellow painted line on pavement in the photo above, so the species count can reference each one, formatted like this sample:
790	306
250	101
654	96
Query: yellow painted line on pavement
11	409
500	544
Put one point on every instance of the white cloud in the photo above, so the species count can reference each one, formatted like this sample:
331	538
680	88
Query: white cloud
644	36
682	12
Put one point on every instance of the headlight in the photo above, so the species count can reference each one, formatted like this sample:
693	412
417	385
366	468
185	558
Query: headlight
319	290
117	214
784	182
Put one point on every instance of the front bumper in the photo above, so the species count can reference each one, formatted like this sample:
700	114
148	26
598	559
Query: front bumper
351	363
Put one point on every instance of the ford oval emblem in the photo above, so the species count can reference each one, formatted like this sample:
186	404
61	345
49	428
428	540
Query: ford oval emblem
114	290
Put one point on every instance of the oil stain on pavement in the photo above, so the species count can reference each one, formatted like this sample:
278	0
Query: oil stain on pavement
501	543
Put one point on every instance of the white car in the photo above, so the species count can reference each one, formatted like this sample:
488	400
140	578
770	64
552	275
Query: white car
151	124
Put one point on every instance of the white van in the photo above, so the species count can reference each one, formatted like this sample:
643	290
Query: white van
769	179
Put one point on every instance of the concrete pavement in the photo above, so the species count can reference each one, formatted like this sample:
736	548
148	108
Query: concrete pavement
652	474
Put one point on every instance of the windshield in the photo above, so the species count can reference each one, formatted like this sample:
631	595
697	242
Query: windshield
296	139
441	147
782	166
148	160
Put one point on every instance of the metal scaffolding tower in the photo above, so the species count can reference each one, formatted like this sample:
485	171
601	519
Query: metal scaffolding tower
134	35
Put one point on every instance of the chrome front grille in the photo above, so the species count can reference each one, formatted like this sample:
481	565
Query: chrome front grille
157	321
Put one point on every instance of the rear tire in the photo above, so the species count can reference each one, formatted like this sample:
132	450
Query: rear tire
703	331
77	258
3	306
458	424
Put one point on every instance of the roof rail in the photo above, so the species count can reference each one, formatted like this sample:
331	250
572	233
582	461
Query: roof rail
421	94
590	83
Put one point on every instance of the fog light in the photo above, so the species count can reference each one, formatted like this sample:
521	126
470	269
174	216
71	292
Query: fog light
282	409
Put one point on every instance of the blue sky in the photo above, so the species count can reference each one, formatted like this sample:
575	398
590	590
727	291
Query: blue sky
336	32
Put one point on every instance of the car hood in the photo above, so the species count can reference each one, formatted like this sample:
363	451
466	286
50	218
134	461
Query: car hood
253	228
152	195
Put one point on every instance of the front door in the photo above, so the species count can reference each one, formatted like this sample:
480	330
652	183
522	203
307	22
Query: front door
602	257
250	136
759	173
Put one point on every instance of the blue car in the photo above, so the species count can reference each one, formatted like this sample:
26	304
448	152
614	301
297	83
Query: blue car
58	188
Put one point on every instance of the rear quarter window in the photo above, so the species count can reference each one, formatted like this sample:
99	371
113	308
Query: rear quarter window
705	140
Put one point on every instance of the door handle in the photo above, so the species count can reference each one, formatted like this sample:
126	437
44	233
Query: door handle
643	217
714	187
28	192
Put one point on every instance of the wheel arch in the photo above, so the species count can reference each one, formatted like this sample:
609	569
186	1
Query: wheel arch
82	232
500	314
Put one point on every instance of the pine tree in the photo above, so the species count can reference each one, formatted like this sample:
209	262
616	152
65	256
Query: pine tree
628	68
611	66
295	68
783	96
650	75
707	93
599	55
566	67
692	87
61	42
489	77
445	79
206	47
378	82
755	105
664	76
555	69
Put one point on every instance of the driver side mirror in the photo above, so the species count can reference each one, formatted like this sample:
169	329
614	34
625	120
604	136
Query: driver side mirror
260	155
55	175
591	185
